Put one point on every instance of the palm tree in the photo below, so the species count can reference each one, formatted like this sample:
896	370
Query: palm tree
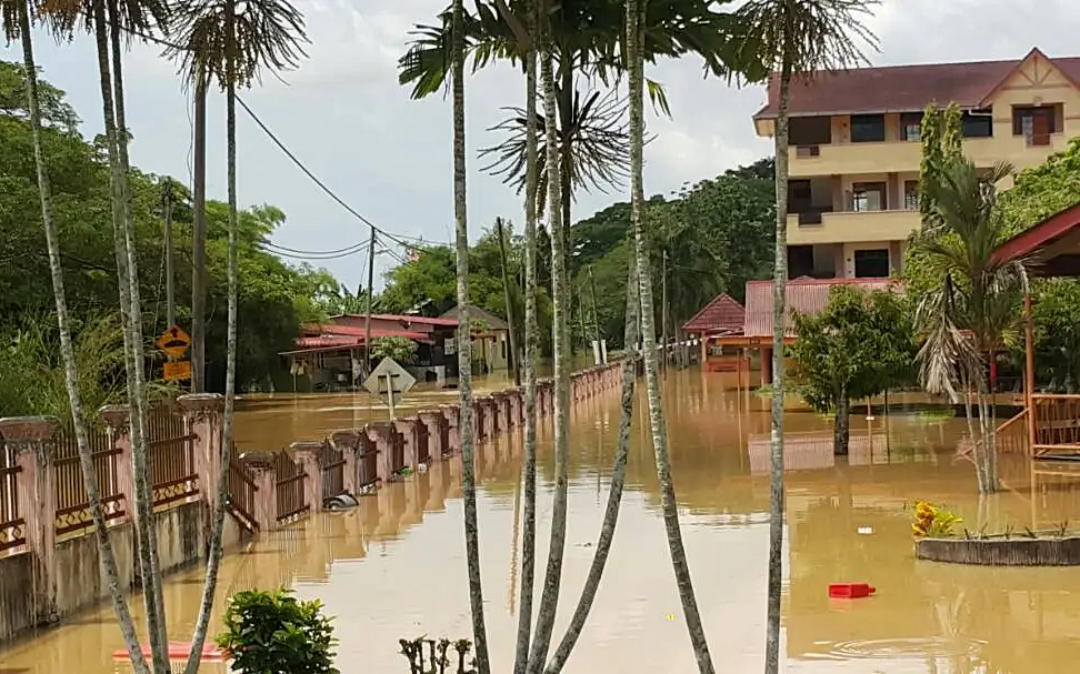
799	38
464	343
978	303
219	43
549	599
15	15
635	35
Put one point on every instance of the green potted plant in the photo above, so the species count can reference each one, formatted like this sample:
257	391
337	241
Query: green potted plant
275	633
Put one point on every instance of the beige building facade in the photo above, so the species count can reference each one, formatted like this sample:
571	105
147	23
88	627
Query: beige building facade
855	148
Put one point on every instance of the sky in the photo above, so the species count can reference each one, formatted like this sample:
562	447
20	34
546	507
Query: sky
345	116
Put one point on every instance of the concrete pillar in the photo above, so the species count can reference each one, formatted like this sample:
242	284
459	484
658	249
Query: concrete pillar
478	422
307	455
492	427
348	443
118	423
32	439
381	434
265	478
203	415
517	407
452	416
433	421
408	429
506	414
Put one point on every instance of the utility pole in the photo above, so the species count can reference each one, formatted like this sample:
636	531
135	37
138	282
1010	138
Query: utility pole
664	309
596	321
515	371
170	291
198	244
370	285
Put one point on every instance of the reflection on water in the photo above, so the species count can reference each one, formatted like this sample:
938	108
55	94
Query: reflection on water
395	567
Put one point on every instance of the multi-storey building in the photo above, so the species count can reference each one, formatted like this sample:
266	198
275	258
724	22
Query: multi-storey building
855	149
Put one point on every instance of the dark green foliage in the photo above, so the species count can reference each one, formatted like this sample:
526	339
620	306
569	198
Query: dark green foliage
1056	319
861	345
274	633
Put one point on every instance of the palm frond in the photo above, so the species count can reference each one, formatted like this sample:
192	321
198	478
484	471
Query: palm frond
948	354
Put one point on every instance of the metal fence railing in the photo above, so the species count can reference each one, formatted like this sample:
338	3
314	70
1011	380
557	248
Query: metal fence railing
173	474
72	501
290	475
12	529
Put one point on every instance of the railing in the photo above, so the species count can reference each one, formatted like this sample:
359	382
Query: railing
12	530
173	475
332	464
290	486
1057	422
397	450
1012	435
72	502
242	490
423	451
367	464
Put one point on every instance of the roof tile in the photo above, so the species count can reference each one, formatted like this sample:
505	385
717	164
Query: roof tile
807	296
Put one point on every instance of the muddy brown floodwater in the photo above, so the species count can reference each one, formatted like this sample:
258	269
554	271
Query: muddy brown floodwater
395	567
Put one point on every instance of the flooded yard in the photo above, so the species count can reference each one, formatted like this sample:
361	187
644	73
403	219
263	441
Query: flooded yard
395	567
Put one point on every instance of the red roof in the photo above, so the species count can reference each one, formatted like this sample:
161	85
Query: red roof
723	314
1028	245
333	329
403	318
902	88
805	295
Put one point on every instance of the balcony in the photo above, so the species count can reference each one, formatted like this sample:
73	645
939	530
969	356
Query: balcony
904	156
850	226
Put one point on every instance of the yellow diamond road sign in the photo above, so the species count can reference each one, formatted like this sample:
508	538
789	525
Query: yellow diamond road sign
174	342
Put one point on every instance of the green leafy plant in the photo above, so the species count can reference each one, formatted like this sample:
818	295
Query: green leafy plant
401	349
275	633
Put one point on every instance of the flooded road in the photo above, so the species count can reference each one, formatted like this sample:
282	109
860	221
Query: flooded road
395	567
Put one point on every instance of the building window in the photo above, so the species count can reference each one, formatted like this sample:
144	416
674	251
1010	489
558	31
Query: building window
977	124
800	261
873	263
911	195
911	126
810	131
868	197
1035	124
867	128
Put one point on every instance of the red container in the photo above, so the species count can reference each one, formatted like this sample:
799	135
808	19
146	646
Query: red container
850	590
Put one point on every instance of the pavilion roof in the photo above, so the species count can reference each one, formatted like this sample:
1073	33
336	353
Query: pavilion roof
723	314
1050	248
805	295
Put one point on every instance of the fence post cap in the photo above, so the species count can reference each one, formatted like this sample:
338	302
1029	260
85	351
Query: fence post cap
258	460
306	447
201	403
116	416
380	429
346	438
406	424
28	429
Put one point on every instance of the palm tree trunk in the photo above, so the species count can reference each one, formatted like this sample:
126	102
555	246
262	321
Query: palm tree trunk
149	561
67	354
634	38
532	348
512	362
198	244
566	149
217	529
549	599
776	471
468	440
615	491
132	342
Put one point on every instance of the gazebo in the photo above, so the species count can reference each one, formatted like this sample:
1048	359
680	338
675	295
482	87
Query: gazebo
1052	421
723	316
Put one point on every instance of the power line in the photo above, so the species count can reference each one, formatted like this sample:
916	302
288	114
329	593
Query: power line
340	251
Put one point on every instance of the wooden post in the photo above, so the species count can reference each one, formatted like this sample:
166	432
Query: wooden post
1029	372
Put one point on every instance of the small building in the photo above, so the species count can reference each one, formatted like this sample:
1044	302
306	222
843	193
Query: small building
490	339
722	317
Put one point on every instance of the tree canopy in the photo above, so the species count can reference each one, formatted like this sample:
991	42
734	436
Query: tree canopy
275	297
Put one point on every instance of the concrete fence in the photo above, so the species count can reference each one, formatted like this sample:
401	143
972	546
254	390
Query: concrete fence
49	564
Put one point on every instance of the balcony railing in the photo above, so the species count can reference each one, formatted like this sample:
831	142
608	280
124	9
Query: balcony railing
817	227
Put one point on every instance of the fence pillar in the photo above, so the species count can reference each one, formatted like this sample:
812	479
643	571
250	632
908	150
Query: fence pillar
203	417
380	434
433	421
478	421
502	406
452	414
513	398
32	441
489	422
265	478
407	427
118	424
348	443
307	455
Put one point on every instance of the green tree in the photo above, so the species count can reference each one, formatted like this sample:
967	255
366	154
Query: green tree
401	349
797	38
270	632
232	43
861	345
979	296
1056	323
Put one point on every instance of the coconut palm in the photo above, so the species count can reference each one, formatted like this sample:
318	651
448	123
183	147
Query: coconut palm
796	38
16	18
978	303
635	32
231	46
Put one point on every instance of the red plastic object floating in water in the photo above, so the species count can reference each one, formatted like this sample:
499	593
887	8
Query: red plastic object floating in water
177	651
850	590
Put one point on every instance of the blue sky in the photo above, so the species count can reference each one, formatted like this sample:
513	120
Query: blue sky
346	117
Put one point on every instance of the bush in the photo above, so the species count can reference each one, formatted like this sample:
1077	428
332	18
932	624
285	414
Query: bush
274	633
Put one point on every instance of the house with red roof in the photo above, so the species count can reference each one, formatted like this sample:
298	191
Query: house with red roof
855	148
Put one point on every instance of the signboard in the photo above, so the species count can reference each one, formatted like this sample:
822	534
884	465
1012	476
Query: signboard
174	342
391	380
178	370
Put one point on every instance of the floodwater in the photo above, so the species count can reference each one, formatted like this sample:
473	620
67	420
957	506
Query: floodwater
395	567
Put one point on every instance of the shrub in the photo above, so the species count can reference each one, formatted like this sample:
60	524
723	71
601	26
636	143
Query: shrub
274	633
